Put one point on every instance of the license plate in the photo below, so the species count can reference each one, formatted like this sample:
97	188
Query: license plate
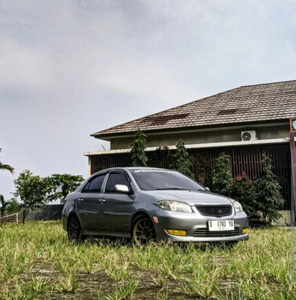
221	225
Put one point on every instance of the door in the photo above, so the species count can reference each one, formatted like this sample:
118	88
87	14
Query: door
116	208
88	204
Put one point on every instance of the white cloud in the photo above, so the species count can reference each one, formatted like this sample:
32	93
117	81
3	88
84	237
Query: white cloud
70	68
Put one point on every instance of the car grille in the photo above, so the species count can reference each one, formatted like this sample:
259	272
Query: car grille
214	211
204	232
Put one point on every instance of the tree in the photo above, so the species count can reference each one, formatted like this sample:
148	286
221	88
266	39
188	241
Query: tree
6	167
32	190
269	197
137	153
3	205
222	177
13	206
62	185
181	161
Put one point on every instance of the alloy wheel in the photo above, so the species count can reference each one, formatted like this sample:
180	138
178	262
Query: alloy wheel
144	232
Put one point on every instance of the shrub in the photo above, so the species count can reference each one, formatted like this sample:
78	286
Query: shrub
181	161
268	189
138	155
243	191
222	177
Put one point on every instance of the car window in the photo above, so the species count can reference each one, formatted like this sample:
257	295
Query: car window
116	178
94	186
158	179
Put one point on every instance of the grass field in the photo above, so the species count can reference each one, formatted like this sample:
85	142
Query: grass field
37	262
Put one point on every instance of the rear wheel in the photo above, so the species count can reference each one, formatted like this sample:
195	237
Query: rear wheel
143	231
74	230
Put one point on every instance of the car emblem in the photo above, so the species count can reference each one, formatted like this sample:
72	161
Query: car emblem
220	211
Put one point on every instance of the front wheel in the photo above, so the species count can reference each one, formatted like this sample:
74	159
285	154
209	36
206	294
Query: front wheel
143	231
74	230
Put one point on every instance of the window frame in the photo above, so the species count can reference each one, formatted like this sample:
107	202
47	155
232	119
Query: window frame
121	172
89	183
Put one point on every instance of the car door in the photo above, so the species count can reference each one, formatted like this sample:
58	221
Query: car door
88	204
116	208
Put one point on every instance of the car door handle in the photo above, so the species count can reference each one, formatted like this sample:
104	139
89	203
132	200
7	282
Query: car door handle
102	200
80	199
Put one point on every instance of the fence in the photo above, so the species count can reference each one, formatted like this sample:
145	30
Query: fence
243	159
14	218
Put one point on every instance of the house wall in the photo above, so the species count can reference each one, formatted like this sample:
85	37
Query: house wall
243	159
213	136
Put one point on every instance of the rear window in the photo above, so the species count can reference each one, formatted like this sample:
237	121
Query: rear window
157	179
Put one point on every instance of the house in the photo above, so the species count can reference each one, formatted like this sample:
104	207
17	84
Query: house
243	122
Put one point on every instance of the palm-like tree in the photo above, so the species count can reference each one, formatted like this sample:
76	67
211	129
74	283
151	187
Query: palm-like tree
3	205
6	167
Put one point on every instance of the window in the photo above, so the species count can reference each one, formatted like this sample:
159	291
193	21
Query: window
94	186
157	179
116	178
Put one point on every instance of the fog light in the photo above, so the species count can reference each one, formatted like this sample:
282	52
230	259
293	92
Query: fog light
245	230
176	232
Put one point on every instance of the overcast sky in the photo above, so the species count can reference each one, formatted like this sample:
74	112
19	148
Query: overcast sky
71	68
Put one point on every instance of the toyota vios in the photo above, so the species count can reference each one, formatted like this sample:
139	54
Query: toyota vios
151	204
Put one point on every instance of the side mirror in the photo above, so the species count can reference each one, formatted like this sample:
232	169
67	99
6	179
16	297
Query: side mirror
207	188
121	188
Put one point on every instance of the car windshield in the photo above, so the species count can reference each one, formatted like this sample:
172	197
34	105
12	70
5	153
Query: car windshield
157	179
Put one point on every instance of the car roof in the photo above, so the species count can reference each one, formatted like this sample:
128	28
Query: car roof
128	168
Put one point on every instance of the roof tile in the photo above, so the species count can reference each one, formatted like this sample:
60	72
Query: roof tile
260	102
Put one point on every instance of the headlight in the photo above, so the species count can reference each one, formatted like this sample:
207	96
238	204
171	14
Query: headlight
174	206
237	206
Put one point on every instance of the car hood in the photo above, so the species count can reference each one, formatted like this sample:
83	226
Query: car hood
191	197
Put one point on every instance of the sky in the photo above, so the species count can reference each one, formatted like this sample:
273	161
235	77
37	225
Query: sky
72	68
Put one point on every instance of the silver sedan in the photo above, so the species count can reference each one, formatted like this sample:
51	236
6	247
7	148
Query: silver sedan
151	204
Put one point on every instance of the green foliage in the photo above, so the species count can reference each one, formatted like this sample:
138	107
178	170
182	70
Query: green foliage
222	177
3	205
137	153
269	197
181	161
6	167
13	206
63	184
32	190
243	191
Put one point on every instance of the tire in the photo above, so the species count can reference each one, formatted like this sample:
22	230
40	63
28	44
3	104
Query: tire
74	230
143	231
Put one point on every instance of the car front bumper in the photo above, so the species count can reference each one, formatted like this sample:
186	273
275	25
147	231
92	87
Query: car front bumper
196	227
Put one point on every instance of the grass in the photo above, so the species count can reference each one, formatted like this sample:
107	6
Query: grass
38	262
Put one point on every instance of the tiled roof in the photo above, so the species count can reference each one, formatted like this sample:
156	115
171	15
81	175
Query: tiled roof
262	102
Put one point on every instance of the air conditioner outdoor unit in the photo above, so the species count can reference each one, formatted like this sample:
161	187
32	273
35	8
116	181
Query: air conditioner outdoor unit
248	135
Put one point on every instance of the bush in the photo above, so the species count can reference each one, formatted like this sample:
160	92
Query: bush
137	153
222	177
268	189
243	191
181	161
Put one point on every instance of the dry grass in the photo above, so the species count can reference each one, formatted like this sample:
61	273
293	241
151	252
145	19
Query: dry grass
37	262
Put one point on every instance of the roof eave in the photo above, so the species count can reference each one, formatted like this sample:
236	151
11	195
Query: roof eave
109	137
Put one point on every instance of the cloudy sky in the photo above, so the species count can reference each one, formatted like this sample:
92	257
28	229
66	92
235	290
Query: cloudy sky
71	68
